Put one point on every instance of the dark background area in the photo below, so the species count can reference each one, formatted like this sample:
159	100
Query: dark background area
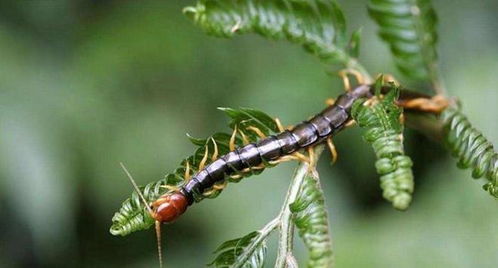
87	84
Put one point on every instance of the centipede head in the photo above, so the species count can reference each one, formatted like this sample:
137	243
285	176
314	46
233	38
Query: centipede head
166	208
169	207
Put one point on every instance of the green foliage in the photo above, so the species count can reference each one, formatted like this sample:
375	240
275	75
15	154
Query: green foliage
409	27
384	131
318	25
310	217
133	215
246	252
471	148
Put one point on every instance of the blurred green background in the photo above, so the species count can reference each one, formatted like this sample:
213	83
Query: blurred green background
87	84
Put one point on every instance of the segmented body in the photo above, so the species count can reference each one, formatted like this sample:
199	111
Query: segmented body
272	148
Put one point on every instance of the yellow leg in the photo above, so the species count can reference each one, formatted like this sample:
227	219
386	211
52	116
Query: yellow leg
302	157
232	139
279	125
215	153
345	79
332	149
204	159
284	159
216	187
170	187
186	177
245	141
260	166
311	156
402	118
236	177
388	78
257	131
330	101
435	104
236	27
350	123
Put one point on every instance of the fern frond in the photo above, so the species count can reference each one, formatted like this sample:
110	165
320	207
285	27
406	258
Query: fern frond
230	252
471	148
409	27
318	25
310	217
133	215
385	132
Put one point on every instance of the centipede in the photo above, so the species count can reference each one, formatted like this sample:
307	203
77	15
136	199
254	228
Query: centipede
286	144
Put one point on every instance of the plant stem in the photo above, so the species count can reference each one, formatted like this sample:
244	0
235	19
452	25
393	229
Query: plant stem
264	232
286	239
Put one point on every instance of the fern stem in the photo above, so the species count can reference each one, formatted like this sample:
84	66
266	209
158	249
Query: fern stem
264	233
286	239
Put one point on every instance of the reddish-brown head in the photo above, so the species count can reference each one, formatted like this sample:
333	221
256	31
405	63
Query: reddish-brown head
169	207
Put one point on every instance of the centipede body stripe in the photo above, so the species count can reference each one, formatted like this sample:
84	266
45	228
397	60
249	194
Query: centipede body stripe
302	136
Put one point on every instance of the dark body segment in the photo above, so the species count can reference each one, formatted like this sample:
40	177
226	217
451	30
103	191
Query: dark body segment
337	117
269	148
217	170
322	125
288	142
302	136
305	134
249	155
233	162
345	101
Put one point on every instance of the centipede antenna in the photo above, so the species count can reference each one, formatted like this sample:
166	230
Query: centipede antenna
136	188
159	248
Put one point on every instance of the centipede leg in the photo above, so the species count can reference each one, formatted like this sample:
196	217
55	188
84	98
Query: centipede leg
236	177
215	152
402	118
245	140
350	123
204	159
257	131
236	27
345	79
293	157
170	187
216	187
435	104
186	176
301	157
311	157
332	149
389	78
330	101
280	127
231	145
